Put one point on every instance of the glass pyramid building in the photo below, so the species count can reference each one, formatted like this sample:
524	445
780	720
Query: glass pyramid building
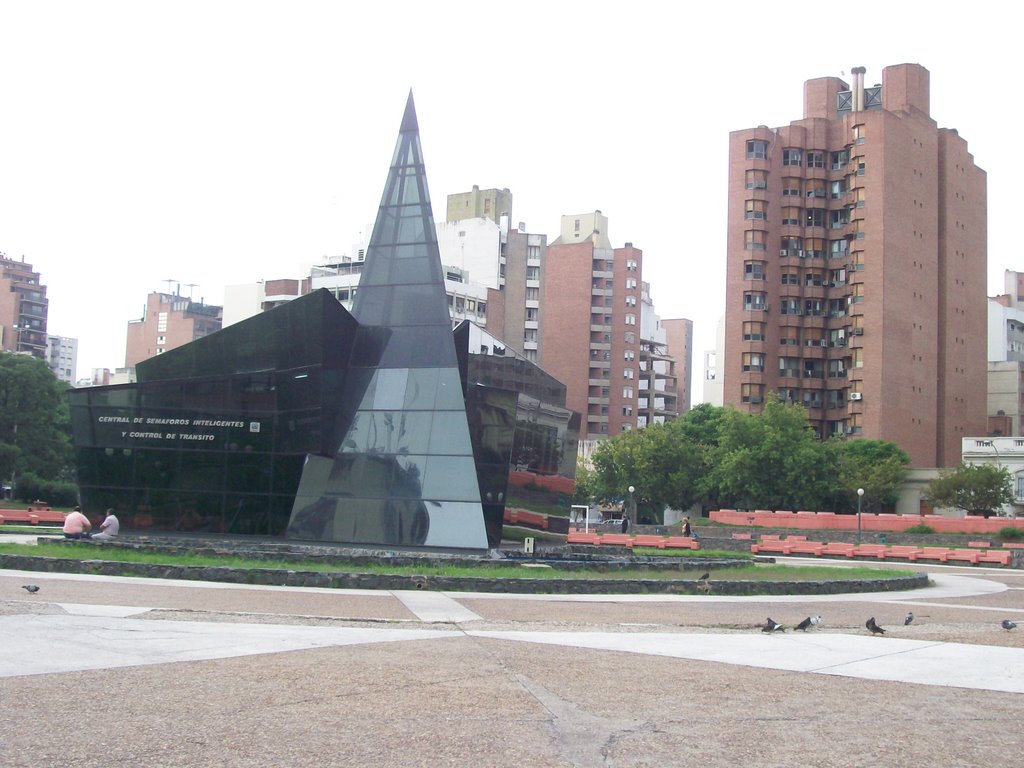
382	426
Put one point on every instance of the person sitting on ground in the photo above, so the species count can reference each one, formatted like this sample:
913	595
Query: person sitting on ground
687	531
108	528
77	525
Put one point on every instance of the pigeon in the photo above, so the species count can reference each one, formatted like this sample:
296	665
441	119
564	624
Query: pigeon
875	629
31	588
1007	624
803	625
772	626
910	618
704	576
816	621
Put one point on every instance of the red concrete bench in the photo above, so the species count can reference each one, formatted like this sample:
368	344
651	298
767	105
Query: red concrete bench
996	557
747	536
32	516
681	542
932	553
615	539
791	537
869	550
900	551
966	555
769	545
770	537
804	548
981	544
645	540
838	549
579	537
1013	544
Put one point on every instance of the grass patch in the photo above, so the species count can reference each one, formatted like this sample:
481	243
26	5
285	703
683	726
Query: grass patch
1010	533
920	528
748	572
717	554
42	530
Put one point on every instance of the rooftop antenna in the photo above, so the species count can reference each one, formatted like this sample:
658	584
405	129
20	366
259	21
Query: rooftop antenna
169	281
190	286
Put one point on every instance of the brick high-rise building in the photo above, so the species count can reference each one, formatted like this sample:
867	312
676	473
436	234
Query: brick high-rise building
590	335
857	265
23	309
169	321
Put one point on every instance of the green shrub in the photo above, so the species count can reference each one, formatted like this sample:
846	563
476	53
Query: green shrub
56	493
1010	532
920	528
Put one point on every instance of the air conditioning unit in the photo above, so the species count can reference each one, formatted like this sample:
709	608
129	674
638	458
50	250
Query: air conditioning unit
784	252
858	331
824	342
856	395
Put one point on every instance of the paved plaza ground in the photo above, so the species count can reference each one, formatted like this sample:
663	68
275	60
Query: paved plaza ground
108	671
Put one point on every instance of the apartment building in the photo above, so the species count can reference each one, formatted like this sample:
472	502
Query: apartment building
856	267
168	321
23	308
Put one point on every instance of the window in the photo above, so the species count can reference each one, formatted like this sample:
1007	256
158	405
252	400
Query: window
628	373
789	366
630	319
840	159
836	307
631	265
627	393
837	189
627	410
811	398
752	331
629	337
815	188
757	150
531	314
814	307
752	393
838	219
757	179
629	354
533	273
792	157
859	196
533	251
630	282
789	395
753	270
815	159
858	293
813	369
792	187
835	399
836	369
756	209
790	217
753	300
790	278
789	336
530	334
753	361
631	301
754	240
815	217
789	307
837	248
837	277
812	278
792	246
813	337
533	294
577	225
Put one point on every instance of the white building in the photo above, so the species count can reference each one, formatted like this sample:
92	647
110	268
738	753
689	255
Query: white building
62	356
1005	452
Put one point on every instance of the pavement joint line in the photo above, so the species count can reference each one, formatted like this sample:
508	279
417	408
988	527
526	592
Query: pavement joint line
878	656
996	608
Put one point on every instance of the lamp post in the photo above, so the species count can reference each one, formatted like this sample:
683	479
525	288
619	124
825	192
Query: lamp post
860	495
632	504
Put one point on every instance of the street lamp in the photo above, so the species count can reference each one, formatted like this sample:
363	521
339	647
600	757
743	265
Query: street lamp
860	495
632	504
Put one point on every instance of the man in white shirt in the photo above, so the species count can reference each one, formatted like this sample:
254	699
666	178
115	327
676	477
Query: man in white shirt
108	528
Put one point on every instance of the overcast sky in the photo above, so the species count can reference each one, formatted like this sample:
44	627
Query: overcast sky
216	143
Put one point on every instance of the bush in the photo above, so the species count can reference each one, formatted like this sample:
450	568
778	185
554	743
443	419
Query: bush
1010	532
56	493
920	528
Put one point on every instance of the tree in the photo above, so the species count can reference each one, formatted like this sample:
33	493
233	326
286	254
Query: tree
877	466
770	460
978	489
662	468
34	419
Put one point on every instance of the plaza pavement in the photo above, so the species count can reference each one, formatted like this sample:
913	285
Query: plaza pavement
98	671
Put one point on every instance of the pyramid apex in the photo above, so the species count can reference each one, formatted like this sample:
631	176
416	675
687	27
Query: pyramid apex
409	122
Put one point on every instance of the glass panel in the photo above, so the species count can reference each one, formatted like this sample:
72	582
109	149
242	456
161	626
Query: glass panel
450	477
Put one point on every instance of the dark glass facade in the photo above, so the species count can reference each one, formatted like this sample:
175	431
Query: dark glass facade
375	427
